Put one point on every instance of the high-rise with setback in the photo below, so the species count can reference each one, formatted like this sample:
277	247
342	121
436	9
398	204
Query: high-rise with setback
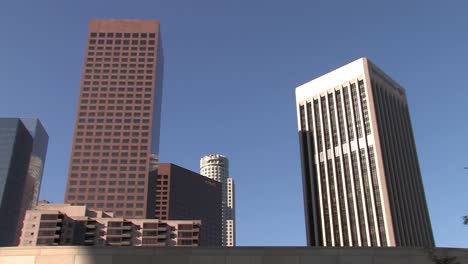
361	178
118	118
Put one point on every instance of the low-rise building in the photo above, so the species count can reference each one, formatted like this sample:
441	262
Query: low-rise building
64	224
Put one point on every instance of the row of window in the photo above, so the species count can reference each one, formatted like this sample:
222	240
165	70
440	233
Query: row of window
119	114
106	168
108	59
117	54
107	161
109	134
133	48
121	35
121	42
112	101
122	71
109	182
108	127
113	120
106	66
110	175
120	77
131	90
114	140
136	120
114	95
108	198
107	153
120	83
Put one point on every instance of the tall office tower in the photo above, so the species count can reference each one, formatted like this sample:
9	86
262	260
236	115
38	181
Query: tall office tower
216	167
17	147
361	178
118	118
182	194
38	156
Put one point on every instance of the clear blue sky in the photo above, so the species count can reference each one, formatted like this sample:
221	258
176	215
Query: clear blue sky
230	74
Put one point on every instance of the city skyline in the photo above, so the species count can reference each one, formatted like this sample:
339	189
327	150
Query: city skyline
243	87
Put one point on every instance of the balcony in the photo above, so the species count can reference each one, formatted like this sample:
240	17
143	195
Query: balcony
50	228
150	228
126	235
89	242
114	235
54	236
126	243
157	244
57	220
187	230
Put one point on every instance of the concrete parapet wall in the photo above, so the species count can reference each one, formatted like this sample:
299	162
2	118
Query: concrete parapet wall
238	255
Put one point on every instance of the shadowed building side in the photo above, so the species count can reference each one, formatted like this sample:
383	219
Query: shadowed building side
16	144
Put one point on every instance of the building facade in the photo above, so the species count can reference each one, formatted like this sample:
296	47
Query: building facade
182	194
118	118
64	224
18	148
361	177
216	167
38	157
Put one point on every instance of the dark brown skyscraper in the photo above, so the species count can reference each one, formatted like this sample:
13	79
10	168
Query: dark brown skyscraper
118	119
182	194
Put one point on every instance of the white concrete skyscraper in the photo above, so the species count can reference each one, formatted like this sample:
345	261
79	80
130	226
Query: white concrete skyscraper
216	167
361	178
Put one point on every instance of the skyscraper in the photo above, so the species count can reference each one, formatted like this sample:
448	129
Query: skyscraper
17	151
182	194
361	178
118	119
216	167
38	156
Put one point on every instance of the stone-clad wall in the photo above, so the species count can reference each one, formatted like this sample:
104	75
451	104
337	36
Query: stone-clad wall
239	255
